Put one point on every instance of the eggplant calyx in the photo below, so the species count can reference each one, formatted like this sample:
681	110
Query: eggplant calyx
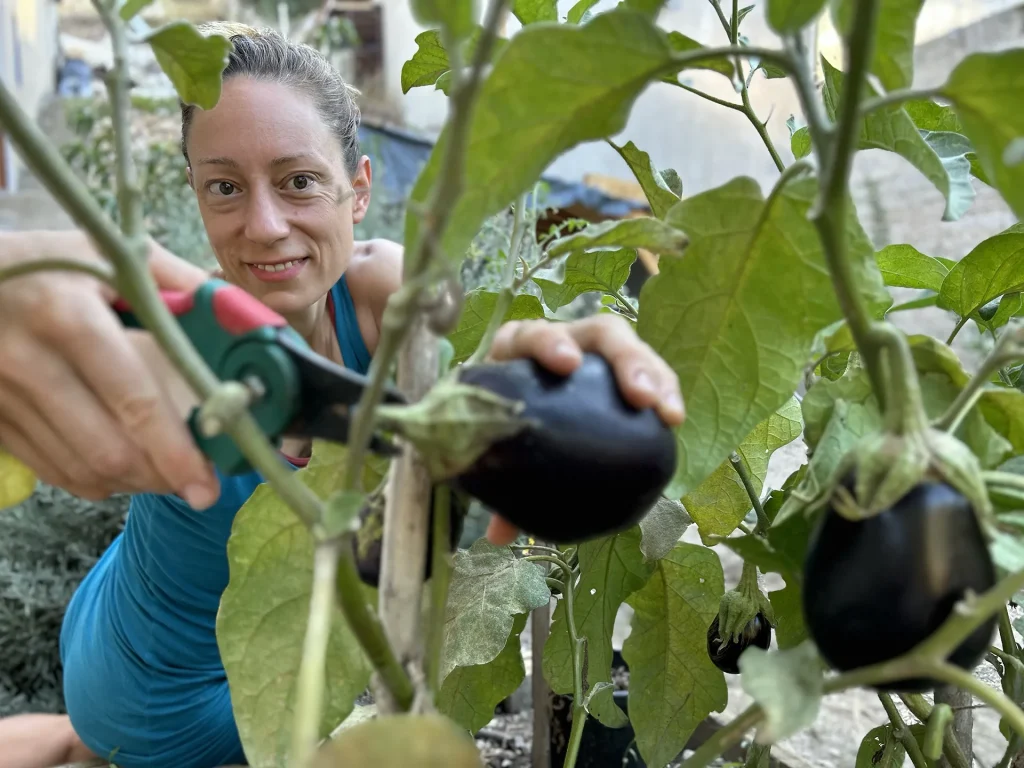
454	424
738	607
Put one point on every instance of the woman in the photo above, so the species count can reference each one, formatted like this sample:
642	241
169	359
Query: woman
97	409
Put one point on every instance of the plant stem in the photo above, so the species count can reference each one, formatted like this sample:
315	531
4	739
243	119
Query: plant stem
898	97
728	736
830	211
98	270
313	667
538	547
902	732
1007	349
954	675
956	329
579	721
625	305
1006	638
763	523
922	710
904	413
129	194
507	294
713	99
440	580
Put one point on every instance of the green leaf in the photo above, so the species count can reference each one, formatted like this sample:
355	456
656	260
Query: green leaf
740	16
532	11
893	61
929	116
193	62
588	77
985	89
132	7
644	232
791	15
600	704
662	527
476	314
469	694
489	587
719	503
995	266
455	15
611	569
819	402
602	271
577	12
788	686
891	129
881	749
737	317
658	192
904	266
673	685
17	481
800	142
430	64
682	44
788	607
262	620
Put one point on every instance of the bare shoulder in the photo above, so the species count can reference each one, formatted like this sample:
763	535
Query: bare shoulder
374	273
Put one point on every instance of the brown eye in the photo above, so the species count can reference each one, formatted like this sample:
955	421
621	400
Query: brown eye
225	187
302	182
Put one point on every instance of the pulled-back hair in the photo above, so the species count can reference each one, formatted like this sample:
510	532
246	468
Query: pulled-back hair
264	54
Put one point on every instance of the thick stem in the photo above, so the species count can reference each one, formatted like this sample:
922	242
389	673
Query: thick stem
902	732
763	523
129	193
313	667
956	676
99	271
922	710
540	624
440	580
728	736
904	413
962	726
507	294
956	329
579	722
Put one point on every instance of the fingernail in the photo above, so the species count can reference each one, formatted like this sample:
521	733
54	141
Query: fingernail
200	496
674	403
643	381
565	349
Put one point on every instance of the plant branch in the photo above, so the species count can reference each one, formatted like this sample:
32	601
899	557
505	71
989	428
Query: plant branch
763	523
902	732
897	97
922	710
129	193
724	738
507	294
313	666
100	270
707	96
440	581
1008	349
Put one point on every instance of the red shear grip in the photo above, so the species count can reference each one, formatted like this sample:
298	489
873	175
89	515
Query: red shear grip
238	312
178	302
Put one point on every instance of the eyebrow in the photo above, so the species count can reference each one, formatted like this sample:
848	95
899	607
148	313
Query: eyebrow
284	160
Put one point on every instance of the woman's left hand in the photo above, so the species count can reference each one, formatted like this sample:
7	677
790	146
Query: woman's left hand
643	377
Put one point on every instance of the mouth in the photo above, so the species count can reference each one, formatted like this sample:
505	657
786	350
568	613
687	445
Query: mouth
277	271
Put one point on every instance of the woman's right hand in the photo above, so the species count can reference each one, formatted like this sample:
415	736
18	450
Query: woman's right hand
88	405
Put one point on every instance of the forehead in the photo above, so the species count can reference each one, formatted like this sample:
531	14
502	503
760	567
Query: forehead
256	122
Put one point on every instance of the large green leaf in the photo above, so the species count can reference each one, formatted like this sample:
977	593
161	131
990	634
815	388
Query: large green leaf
455	15
719	503
904	266
737	316
532	11
788	607
890	128
611	569
792	15
555	86
644	232
476	314
489	586
788	686
262	621
673	685
893	61
985	89
930	117
656	189
469	694
995	266
194	62
602	271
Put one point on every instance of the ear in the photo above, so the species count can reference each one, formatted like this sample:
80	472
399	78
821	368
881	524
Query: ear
361	184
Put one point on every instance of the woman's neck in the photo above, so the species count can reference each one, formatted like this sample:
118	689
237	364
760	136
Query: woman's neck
315	326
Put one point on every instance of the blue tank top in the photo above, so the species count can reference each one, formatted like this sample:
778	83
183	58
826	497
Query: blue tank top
143	681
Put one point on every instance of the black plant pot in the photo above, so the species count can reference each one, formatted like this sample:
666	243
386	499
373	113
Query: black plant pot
601	747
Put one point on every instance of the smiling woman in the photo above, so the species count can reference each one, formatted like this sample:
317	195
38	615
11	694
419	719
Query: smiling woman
280	183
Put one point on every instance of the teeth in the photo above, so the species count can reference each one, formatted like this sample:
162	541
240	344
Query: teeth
278	267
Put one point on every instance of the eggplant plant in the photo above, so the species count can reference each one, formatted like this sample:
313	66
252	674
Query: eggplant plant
900	541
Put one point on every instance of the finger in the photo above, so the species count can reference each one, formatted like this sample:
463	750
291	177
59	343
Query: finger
644	378
500	532
99	350
550	344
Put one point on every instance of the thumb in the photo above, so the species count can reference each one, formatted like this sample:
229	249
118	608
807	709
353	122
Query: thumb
174	273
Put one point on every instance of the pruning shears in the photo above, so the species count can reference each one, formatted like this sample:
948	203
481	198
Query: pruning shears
296	392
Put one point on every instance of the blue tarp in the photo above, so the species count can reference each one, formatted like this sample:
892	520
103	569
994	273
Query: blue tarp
398	155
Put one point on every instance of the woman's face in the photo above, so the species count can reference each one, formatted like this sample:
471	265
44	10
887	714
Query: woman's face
273	192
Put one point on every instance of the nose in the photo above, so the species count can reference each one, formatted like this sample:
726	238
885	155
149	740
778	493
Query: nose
266	221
